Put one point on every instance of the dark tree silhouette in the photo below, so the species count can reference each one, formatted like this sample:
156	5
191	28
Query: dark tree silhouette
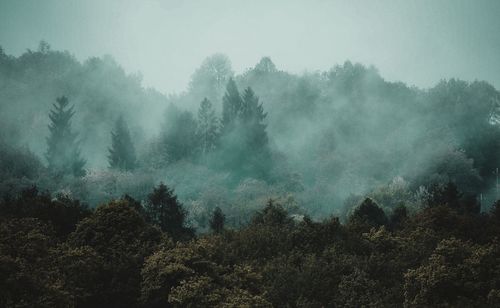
164	209
368	213
217	220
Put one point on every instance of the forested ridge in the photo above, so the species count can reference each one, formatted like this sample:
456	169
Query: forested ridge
332	188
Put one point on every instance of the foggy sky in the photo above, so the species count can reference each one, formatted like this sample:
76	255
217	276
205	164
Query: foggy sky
418	42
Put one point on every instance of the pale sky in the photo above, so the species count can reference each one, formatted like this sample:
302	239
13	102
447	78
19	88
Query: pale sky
417	42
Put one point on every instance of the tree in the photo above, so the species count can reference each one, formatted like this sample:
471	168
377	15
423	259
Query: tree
265	65
231	105
252	116
210	78
179	135
121	237
244	141
63	154
122	152
368	214
207	127
217	220
167	212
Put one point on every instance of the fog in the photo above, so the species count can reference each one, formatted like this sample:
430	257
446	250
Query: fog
313	104
418	42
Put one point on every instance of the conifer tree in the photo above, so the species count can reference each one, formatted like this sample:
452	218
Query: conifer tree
252	117
207	126
164	209
63	153
122	152
217	220
231	105
179	135
244	144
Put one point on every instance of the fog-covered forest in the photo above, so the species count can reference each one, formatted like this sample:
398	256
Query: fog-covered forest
332	188
317	142
225	153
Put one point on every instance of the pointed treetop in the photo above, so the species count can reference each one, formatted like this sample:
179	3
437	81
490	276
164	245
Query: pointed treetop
266	65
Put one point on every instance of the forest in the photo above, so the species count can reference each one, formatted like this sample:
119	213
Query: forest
266	188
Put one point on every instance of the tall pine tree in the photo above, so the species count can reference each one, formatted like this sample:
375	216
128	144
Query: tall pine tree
63	153
231	105
122	152
164	209
258	159
252	117
207	127
244	146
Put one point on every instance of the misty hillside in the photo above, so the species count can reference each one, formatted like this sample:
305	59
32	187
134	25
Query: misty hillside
326	137
264	188
295	154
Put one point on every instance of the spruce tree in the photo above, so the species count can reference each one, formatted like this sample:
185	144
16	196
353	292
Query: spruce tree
122	152
207	127
231	105
252	117
63	153
179	135
164	209
258	161
217	220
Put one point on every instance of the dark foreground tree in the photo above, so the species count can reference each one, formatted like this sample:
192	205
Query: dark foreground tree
163	209
63	154
122	152
368	215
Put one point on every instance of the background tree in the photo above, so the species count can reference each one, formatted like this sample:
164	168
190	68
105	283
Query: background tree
207	127
164	209
231	105
63	154
122	152
253	116
217	220
179	136
211	77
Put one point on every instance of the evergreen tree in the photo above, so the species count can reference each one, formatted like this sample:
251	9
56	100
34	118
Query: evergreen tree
217	220
244	145
207	126
253	131
63	154
252	116
231	105
179	135
164	209
122	152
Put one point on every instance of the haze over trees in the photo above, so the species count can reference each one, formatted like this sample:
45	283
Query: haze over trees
63	153
265	188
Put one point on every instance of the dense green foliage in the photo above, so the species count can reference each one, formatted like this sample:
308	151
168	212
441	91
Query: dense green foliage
57	253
